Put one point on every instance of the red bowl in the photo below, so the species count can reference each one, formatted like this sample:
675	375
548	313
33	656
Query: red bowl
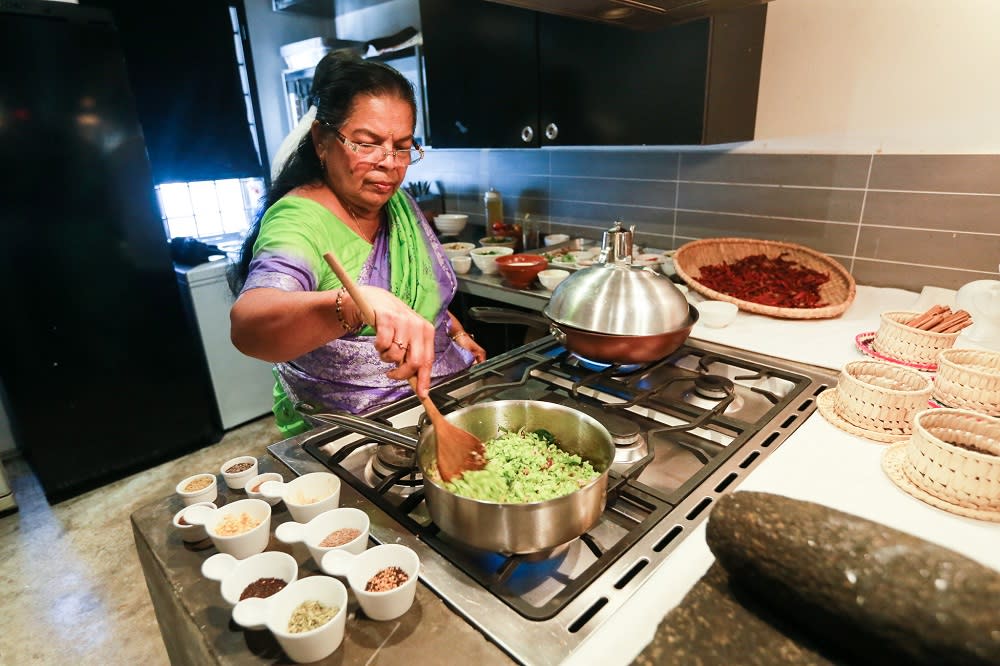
520	270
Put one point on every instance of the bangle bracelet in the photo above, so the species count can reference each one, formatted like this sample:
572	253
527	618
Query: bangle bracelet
340	312
460	334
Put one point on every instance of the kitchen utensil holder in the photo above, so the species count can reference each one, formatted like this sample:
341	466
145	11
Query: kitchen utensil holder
907	344
954	454
881	397
969	379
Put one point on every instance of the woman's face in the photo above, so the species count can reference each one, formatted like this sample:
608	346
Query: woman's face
366	182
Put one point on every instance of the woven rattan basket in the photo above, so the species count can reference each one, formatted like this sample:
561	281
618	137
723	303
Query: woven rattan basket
837	293
969	379
881	397
907	344
954	454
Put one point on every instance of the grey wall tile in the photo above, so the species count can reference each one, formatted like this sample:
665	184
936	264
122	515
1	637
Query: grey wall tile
937	173
930	248
796	202
914	278
825	237
604	215
950	212
652	193
810	170
452	161
526	161
646	164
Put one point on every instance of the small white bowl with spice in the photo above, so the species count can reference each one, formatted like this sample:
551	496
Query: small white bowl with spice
306	496
253	487
190	532
345	528
241	528
383	578
198	488
261	575
307	617
237	471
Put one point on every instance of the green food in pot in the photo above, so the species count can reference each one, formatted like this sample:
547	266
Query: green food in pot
524	467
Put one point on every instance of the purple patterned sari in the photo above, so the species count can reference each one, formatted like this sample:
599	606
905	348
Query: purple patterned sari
347	374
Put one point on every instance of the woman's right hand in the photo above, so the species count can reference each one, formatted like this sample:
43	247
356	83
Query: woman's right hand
402	337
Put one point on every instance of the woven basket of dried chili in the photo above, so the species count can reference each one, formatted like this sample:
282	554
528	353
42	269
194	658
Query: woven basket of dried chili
771	278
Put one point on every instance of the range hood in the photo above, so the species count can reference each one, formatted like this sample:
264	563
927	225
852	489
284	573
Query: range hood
646	15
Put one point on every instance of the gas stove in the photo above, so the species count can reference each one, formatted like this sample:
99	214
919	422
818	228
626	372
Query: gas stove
687	429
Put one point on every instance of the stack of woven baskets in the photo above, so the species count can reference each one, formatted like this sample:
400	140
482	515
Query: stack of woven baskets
939	408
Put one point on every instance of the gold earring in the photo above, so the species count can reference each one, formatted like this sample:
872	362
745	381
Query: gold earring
322	162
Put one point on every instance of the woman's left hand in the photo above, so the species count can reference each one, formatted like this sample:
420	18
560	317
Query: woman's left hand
465	341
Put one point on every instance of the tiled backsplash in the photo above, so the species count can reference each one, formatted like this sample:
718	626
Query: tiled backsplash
893	220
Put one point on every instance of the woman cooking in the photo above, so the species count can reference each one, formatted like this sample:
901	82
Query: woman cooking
339	191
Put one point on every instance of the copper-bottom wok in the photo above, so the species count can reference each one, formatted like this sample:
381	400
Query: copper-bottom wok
602	347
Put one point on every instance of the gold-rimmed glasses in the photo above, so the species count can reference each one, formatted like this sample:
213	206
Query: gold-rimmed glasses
369	152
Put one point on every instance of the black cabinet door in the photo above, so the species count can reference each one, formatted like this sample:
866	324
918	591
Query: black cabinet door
504	77
606	85
482	74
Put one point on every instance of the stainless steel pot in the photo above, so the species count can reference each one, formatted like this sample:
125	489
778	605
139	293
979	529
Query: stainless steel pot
508	528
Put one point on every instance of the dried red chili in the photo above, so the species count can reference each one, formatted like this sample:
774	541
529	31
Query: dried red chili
760	279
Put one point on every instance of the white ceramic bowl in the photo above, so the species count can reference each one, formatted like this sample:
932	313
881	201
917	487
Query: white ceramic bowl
237	480
551	277
191	532
716	314
450	224
457	249
243	544
485	258
274	613
667	263
235	575
555	239
359	569
206	493
306	496
253	487
461	264
325	524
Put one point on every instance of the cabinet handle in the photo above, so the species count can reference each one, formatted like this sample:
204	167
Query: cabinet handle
551	131
527	134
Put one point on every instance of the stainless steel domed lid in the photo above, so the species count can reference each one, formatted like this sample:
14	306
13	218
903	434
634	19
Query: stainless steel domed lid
615	298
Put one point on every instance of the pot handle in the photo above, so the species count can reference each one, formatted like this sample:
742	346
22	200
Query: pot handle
365	427
504	316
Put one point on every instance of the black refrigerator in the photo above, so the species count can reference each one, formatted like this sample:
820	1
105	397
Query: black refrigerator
102	375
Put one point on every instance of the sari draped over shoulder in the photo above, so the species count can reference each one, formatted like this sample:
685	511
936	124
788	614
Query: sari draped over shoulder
406	258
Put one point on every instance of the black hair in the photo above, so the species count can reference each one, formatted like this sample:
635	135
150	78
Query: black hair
340	77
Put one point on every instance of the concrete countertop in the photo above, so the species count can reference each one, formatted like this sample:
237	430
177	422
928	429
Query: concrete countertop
197	628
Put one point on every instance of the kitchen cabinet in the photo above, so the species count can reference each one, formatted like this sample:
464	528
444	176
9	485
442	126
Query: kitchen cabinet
505	77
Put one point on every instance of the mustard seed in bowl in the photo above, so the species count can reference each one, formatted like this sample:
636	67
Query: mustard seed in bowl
239	467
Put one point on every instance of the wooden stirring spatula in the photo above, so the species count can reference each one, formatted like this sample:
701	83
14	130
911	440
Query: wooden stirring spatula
458	451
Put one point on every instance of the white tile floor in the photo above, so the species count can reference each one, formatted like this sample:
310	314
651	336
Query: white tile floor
70	576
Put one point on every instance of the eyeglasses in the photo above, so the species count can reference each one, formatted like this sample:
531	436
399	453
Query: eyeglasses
369	152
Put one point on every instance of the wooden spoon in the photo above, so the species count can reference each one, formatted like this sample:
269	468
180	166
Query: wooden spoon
458	451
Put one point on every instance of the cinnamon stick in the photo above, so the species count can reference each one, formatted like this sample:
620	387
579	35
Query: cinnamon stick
920	320
960	317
